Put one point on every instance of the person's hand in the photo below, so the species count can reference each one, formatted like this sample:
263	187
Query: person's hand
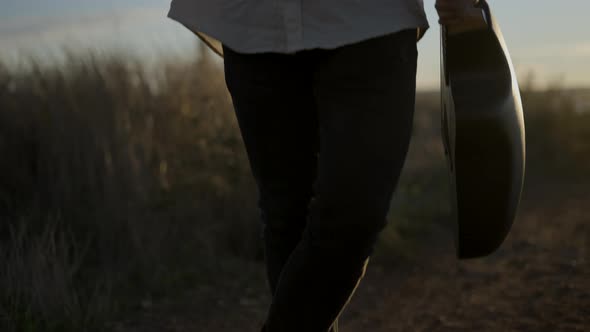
457	12
460	15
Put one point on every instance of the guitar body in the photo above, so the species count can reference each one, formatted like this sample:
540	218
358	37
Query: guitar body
483	134
213	44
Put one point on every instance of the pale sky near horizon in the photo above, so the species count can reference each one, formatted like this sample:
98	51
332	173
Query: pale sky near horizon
549	37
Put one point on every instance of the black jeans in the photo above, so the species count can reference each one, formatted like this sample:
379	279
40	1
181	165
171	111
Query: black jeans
326	132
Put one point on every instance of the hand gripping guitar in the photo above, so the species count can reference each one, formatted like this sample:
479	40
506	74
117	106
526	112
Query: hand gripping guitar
483	134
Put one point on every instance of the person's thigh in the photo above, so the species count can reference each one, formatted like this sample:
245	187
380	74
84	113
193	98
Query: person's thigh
365	94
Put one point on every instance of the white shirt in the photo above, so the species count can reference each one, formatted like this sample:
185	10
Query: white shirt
288	26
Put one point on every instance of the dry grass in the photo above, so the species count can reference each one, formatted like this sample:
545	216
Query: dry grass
116	185
108	180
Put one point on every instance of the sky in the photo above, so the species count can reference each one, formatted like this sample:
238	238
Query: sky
548	37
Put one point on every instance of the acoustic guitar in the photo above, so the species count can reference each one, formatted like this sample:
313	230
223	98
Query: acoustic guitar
483	134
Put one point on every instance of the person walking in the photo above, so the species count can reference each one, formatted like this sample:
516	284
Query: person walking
324	94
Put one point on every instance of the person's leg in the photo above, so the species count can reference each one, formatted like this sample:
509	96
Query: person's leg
365	94
273	100
274	104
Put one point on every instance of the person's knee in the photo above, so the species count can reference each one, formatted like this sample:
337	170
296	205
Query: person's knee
347	231
284	211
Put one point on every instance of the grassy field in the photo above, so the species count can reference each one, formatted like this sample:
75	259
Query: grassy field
117	185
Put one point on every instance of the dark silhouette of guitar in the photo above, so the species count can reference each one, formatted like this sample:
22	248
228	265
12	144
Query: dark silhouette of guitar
483	135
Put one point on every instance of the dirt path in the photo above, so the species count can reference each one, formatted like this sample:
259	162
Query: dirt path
538	281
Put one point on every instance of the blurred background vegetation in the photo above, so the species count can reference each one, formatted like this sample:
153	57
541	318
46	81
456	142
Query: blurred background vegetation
118	184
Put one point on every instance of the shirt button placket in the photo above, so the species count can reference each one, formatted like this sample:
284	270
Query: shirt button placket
293	24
